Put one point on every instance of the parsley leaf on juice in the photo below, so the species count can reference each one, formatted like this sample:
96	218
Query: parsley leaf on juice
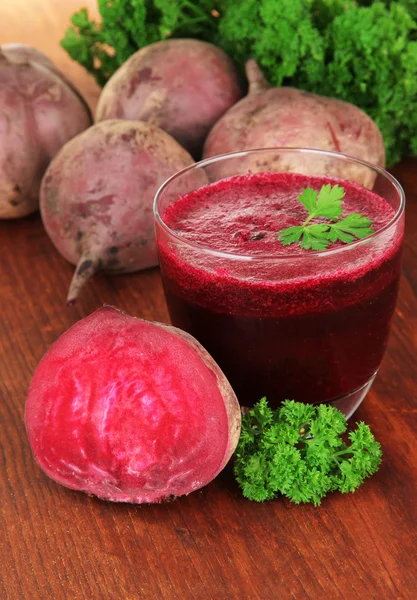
351	227
326	204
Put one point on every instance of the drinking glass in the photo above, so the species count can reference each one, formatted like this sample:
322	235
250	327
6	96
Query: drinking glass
309	326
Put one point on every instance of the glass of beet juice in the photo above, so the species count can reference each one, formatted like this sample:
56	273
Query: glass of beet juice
281	321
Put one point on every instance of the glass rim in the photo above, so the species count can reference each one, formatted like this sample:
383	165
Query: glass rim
294	150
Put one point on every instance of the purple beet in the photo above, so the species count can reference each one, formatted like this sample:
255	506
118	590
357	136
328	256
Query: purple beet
39	112
97	194
286	117
183	86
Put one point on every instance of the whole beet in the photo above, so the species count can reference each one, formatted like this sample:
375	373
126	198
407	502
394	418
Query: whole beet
97	194
183	86
130	411
271	117
39	112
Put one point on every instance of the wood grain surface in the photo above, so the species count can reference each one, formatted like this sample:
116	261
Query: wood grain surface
63	545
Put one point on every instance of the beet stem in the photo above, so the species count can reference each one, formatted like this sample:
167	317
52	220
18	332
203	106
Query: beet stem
257	82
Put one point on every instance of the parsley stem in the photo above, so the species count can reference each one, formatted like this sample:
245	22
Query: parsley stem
344	451
196	9
307	221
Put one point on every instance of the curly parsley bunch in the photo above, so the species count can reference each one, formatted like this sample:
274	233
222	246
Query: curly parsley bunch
298	451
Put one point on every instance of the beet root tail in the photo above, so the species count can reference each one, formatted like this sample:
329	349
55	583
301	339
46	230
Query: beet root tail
87	266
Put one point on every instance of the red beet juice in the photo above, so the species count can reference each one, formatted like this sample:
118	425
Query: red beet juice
281	321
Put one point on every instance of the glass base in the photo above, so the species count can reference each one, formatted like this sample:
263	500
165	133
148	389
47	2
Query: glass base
348	403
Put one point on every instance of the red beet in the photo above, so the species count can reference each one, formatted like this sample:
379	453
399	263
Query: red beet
182	86
39	111
286	117
97	194
130	411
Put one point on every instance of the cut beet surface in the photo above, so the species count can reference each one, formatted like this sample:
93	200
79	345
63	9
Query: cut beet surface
130	410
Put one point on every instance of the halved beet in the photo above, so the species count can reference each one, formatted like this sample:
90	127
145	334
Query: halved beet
131	411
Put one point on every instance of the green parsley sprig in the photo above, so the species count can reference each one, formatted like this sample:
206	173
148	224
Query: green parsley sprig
326	204
298	451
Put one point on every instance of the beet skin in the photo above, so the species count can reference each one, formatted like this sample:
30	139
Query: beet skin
130	411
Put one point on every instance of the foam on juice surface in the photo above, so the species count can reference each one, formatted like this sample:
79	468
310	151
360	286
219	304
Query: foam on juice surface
243	214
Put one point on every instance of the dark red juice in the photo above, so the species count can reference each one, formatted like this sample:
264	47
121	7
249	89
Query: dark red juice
282	322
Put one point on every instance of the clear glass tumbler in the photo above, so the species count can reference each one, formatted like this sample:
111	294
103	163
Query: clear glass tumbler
298	324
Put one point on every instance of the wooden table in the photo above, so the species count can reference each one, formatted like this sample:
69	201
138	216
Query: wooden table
57	544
